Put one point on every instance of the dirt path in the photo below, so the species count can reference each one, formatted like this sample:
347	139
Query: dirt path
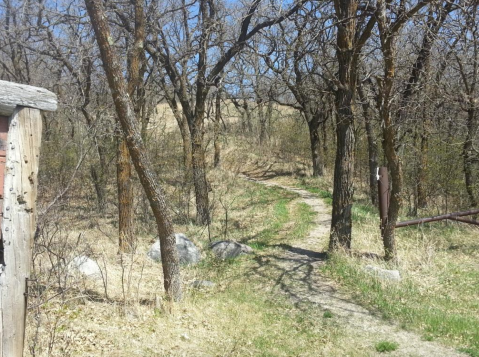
299	277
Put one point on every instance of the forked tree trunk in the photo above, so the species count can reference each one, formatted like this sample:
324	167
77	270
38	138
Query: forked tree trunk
138	152
388	31
389	131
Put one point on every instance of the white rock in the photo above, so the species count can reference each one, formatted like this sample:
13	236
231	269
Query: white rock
188	253
228	249
185	336
383	274
85	266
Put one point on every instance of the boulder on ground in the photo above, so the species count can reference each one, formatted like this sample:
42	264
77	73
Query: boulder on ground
383	274
202	284
228	249
188	253
85	266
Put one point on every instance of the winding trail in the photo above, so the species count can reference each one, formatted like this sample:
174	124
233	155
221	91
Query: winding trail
298	276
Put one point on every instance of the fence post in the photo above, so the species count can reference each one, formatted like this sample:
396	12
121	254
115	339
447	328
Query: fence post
20	138
383	195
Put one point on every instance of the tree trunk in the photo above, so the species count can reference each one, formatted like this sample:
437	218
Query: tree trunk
216	129
99	176
343	178
98	179
98	173
372	147
388	48
127	241
247	116
199	178
324	134
341	223
313	127
187	155
468	157
196	126
262	121
423	164
395	169
138	152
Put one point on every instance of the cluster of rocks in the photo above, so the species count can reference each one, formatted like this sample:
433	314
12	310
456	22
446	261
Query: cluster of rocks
189	254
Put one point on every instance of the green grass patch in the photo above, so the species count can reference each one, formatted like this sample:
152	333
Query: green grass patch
318	187
473	352
328	314
274	223
364	213
386	346
303	217
437	313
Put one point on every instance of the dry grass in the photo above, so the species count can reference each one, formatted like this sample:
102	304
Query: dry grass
123	313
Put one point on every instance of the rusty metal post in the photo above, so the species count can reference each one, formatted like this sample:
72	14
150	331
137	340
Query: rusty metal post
383	195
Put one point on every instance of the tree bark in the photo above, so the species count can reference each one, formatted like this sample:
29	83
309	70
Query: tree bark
148	178
262	120
315	142
341	222
372	147
127	241
126	238
199	175
423	164
388	32
467	153
216	129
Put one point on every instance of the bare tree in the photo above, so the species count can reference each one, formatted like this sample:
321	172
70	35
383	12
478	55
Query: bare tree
199	42
137	150
468	69
293	58
352	33
390	22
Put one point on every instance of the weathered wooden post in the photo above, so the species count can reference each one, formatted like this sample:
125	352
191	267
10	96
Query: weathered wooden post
20	137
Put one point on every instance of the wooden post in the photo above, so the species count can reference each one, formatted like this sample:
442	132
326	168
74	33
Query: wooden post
19	184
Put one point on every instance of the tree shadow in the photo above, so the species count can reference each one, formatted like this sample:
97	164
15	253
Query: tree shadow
296	274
